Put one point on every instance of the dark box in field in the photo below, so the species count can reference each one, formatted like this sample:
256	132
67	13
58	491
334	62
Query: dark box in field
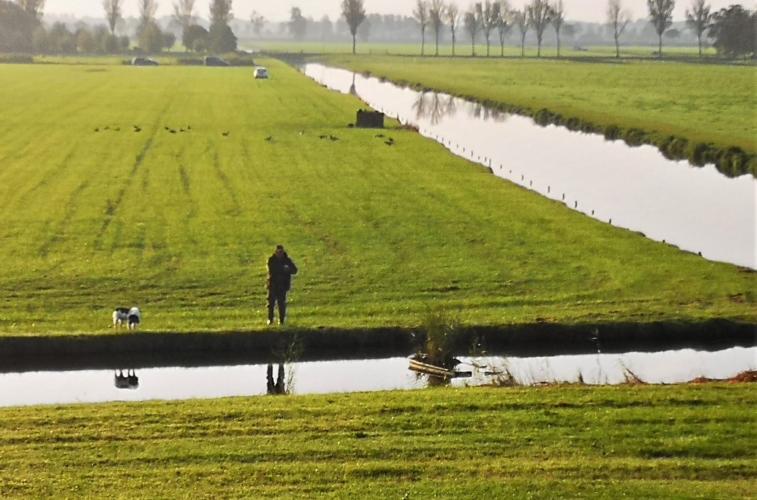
370	119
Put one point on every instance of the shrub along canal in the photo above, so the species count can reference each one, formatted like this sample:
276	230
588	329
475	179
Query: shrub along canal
360	375
696	208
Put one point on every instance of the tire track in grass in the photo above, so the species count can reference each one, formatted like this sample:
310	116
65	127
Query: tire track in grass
114	206
75	104
68	214
308	223
157	249
145	181
236	209
186	187
247	162
46	179
186	184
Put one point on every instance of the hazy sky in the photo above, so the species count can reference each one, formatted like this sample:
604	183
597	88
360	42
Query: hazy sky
275	10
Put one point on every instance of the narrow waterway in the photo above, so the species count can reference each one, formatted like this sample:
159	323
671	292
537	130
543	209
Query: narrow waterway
316	377
695	208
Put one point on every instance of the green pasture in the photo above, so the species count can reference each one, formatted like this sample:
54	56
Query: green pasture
700	103
463	49
181	223
553	442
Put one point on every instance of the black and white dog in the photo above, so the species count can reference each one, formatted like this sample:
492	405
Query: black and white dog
125	316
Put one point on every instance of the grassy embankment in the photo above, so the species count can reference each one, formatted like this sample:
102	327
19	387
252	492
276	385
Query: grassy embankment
554	442
701	113
181	223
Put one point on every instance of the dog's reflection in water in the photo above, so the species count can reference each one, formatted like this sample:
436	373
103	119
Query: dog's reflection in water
277	387
128	381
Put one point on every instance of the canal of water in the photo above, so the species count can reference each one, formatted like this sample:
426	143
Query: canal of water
171	383
695	208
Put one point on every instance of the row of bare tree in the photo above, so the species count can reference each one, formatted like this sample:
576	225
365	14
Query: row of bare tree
496	16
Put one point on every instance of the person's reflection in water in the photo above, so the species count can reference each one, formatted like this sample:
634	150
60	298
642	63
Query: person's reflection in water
278	387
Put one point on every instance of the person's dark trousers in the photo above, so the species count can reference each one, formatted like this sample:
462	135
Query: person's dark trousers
277	297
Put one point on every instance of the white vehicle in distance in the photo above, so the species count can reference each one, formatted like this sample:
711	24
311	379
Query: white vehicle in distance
261	73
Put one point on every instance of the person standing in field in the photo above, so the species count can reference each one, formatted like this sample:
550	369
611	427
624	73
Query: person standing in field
280	271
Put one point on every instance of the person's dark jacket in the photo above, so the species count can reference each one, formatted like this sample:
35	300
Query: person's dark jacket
280	271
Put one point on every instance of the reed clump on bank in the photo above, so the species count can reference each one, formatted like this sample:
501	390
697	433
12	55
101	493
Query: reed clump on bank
441	336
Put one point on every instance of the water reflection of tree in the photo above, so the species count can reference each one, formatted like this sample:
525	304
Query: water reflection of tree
420	106
450	110
433	106
480	112
437	109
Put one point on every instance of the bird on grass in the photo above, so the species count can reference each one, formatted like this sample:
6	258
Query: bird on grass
136	128
379	136
97	130
269	138
322	136
172	131
389	142
333	138
225	134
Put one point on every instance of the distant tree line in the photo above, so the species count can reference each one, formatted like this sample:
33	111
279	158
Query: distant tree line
539	22
732	29
22	30
218	37
490	22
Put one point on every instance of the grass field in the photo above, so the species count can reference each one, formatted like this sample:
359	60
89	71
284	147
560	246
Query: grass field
463	49
182	223
553	442
702	104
